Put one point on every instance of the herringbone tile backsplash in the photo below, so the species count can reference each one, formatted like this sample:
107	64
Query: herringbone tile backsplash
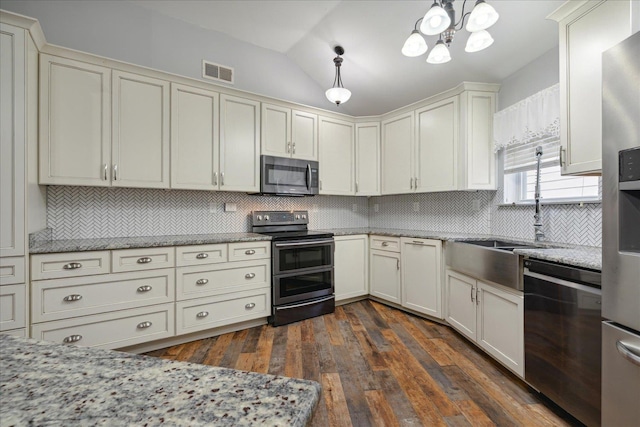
88	212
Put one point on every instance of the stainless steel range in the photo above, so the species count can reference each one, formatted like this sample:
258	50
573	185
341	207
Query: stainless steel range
302	282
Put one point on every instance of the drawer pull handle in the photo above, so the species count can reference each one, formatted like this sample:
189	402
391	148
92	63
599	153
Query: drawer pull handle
385	244
249	252
72	266
202	314
74	297
250	305
250	275
144	325
202	281
202	256
144	288
144	260
72	338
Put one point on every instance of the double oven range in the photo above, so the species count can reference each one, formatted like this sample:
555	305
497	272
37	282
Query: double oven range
302	281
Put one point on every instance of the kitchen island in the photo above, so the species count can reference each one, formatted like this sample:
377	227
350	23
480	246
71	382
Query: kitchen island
43	383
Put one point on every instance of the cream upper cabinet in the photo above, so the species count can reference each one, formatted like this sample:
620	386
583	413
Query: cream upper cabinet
337	151
75	123
368	159
587	28
12	141
194	138
351	266
398	154
422	275
476	157
140	131
437	146
289	133
239	144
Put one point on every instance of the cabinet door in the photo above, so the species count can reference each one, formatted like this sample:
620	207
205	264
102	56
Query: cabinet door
75	122
477	160
398	154
385	275
421	275
437	146
12	141
276	131
584	35
501	326
194	138
460	302
368	159
140	135
304	135
336	157
239	144
351	266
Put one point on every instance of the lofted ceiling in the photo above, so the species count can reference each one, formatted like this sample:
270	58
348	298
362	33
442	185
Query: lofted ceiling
372	33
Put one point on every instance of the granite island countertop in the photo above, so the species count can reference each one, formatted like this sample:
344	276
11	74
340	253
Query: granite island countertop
43	383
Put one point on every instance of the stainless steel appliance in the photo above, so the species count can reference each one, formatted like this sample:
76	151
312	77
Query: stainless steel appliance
302	280
283	176
562	336
621	234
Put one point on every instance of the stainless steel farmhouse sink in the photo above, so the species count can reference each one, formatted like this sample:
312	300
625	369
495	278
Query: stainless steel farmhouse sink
491	260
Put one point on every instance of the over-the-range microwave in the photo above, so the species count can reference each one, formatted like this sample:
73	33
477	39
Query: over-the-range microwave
283	176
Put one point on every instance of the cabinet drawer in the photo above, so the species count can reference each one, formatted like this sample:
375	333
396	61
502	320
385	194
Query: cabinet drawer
243	251
69	264
383	243
142	259
111	330
22	332
221	310
81	296
198	255
195	282
12	270
13	300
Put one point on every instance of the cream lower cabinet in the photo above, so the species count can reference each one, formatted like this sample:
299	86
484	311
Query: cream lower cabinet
491	316
351	266
384	267
336	157
422	275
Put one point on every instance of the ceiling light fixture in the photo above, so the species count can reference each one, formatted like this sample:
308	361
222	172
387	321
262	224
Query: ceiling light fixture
441	19
338	93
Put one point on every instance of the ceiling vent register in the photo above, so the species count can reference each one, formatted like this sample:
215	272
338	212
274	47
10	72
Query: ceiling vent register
217	72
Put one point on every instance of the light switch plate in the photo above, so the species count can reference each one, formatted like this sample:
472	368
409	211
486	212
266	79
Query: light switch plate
230	207
376	207
354	207
416	206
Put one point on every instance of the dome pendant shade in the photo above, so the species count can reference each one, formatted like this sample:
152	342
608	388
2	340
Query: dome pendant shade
478	41
435	21
440	54
338	95
415	45
482	17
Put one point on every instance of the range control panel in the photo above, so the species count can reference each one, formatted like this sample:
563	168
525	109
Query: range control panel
280	217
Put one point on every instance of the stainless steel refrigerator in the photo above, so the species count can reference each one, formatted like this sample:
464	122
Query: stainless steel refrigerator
621	234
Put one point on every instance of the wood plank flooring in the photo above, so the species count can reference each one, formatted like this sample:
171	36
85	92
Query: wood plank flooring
379	366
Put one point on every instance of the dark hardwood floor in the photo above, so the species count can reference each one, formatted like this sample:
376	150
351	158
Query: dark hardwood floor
379	366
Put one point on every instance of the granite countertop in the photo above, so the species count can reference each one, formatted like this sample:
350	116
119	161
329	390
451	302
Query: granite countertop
43	383
79	245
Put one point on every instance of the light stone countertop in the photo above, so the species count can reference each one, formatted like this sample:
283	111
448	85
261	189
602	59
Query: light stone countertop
44	383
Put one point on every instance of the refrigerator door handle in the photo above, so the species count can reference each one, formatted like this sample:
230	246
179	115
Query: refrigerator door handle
629	352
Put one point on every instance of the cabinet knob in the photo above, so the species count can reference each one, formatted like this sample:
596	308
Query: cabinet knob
144	325
202	281
249	252
144	260
250	305
73	297
202	314
250	275
71	339
72	266
144	288
202	256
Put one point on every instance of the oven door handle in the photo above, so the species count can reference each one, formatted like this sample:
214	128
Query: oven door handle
303	304
304	243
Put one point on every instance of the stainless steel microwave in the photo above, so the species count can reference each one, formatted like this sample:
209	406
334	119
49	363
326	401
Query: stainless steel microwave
284	176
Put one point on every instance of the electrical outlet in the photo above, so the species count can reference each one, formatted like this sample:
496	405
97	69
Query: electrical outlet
475	205
376	207
213	208
354	207
230	207
314	208
416	206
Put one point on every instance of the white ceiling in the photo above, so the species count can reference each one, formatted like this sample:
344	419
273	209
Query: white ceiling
372	33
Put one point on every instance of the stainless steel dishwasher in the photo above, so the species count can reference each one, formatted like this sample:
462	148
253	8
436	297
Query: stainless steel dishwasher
563	336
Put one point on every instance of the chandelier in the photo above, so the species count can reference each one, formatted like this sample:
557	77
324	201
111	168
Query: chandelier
338	93
441	19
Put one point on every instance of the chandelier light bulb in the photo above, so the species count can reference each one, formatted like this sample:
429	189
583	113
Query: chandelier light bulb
478	41
440	54
482	17
338	95
415	45
435	21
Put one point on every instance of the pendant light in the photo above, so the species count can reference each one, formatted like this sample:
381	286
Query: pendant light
478	40
415	44
440	54
482	17
338	93
435	21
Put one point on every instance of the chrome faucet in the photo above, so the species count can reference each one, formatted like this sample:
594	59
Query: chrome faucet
537	223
